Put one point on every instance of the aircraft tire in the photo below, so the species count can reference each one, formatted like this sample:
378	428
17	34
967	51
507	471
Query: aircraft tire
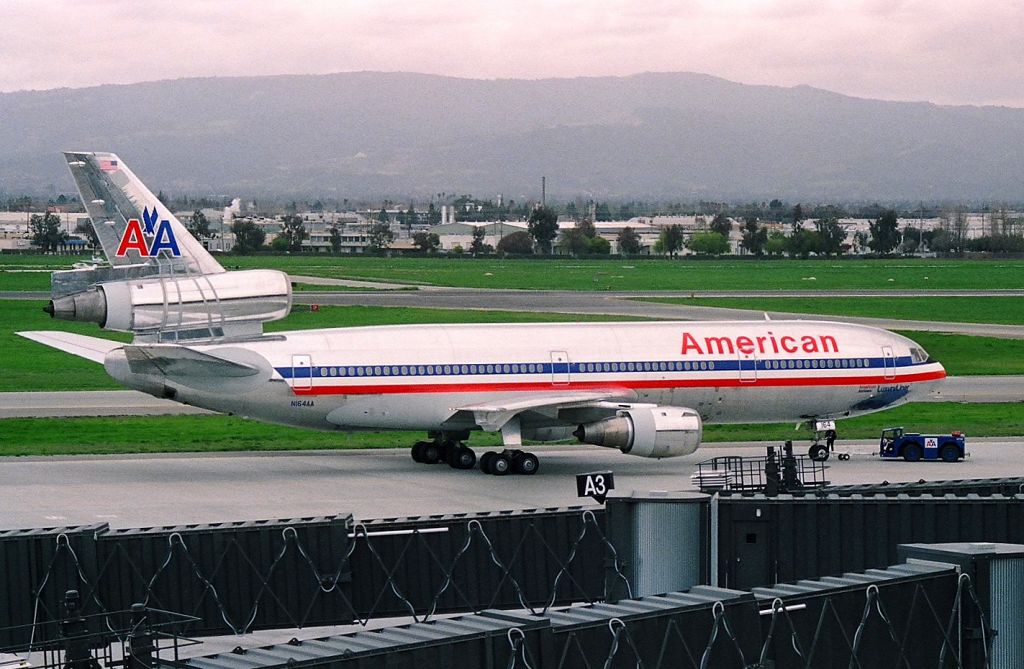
485	461
525	463
462	457
818	453
430	453
500	465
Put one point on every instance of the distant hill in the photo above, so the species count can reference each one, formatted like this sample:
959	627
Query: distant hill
675	135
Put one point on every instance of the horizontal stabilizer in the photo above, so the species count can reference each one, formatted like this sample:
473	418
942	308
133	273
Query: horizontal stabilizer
180	361
90	348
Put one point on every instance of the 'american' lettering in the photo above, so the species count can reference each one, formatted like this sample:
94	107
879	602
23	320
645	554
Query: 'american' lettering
767	343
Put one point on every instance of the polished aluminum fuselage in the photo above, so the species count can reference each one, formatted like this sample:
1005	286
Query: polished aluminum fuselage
419	377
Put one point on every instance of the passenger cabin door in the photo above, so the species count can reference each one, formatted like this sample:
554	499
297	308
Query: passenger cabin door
748	367
559	368
889	360
302	372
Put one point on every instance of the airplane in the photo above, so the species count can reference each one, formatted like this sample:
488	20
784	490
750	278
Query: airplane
644	388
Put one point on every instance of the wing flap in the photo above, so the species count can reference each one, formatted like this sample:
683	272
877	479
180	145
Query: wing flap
90	348
179	361
492	416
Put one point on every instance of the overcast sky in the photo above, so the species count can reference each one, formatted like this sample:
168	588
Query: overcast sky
945	51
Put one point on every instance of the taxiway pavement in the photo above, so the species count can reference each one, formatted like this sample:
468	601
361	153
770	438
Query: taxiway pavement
150	490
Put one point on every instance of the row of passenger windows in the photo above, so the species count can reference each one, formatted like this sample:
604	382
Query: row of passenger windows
433	370
583	367
844	363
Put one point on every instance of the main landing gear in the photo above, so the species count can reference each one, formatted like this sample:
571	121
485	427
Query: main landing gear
509	462
449	448
455	453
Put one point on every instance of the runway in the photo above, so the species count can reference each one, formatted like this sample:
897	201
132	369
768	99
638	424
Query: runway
142	491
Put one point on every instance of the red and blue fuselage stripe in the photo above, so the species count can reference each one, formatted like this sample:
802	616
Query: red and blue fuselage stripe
464	378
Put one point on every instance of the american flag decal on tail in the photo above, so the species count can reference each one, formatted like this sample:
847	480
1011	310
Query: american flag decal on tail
108	165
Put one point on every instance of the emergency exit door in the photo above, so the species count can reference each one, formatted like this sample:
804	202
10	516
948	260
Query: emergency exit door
889	361
559	368
302	372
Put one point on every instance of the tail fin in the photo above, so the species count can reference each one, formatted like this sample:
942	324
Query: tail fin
133	226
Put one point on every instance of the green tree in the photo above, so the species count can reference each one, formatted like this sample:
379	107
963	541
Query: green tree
602	212
518	243
802	243
46	232
831	236
543	227
721	224
382	216
884	231
433	215
478	246
335	239
379	237
293	230
426	241
755	236
777	244
586	226
798	216
599	246
572	241
670	240
410	217
708	243
248	236
199	225
628	242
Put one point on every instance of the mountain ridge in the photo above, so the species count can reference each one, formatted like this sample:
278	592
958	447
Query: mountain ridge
658	134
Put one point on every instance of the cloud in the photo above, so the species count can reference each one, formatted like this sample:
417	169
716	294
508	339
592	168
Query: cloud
949	51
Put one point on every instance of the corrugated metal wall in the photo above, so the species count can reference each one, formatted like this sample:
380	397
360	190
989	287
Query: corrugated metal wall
766	540
243	576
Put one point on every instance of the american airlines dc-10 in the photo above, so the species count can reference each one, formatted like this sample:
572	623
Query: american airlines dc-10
644	388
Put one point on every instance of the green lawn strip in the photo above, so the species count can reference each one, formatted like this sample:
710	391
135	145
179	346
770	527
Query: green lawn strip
659	273
1005	310
614	273
25	281
190	434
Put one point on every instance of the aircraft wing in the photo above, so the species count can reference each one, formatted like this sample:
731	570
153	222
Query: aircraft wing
492	416
178	361
90	348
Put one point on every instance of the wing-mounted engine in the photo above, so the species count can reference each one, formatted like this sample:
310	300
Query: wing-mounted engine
649	432
182	308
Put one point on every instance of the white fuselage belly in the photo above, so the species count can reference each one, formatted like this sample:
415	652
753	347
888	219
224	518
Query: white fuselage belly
416	377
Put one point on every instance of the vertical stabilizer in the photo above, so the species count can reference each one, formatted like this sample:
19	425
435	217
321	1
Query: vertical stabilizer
133	226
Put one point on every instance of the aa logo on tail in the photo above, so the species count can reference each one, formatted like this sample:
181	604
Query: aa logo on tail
149	237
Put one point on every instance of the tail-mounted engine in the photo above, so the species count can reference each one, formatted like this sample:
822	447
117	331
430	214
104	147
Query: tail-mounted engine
649	432
182	307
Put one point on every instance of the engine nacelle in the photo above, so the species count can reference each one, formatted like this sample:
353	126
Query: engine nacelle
649	432
185	306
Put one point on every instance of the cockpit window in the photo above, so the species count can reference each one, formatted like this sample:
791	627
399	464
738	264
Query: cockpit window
918	354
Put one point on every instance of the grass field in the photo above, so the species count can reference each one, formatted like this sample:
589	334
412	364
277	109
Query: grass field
1006	310
611	274
80	436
